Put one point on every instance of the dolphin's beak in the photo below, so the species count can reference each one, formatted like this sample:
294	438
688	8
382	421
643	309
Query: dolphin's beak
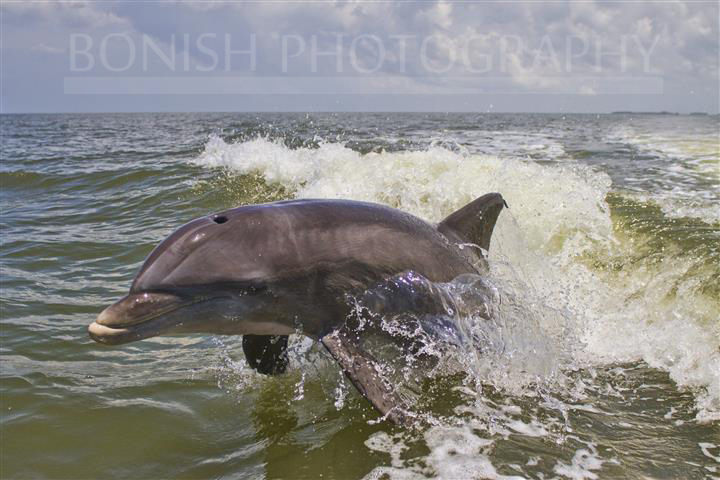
140	307
131	318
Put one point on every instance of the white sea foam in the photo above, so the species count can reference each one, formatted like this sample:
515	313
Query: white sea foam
559	311
517	144
584	462
557	215
455	452
690	183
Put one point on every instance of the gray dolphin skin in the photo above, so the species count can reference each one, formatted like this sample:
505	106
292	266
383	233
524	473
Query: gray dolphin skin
271	270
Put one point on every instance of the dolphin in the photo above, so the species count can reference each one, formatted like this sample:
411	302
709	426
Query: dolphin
270	270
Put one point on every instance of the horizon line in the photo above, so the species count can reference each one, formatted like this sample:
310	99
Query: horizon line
446	112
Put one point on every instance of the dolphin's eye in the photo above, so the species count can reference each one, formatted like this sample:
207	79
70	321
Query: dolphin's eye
220	219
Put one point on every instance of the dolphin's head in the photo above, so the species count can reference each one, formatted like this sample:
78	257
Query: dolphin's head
201	279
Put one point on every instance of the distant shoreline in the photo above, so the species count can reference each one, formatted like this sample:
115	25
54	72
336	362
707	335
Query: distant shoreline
627	112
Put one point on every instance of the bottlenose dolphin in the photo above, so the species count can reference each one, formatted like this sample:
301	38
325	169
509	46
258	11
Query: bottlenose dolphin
271	270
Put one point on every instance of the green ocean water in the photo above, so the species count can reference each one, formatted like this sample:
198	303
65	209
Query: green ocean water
606	363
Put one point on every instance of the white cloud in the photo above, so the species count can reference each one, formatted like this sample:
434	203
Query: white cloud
436	15
42	48
467	38
74	14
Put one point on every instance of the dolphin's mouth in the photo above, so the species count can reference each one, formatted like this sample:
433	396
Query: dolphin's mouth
138	316
117	336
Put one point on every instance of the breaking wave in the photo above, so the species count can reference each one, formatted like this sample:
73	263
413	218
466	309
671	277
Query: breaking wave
555	250
582	292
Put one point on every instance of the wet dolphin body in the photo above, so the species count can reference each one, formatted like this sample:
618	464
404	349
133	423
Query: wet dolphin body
267	271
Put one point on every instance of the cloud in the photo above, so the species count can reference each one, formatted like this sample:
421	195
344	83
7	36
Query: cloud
42	48
71	14
440	47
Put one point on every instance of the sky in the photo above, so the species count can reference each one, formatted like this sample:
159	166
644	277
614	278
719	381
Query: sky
480	56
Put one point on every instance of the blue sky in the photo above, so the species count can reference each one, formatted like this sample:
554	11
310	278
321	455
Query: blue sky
346	56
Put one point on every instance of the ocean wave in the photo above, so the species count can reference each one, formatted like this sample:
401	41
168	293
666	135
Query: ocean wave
555	248
685	180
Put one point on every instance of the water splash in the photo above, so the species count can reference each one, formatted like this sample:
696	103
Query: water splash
552	256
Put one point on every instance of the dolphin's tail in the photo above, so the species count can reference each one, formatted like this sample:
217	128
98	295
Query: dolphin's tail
474	222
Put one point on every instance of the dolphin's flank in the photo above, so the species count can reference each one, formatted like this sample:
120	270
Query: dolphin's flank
266	271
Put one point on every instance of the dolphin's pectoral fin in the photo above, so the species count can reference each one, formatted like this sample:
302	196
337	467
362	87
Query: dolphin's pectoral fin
266	353
364	372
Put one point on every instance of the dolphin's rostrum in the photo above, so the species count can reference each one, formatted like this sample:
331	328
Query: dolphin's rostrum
267	271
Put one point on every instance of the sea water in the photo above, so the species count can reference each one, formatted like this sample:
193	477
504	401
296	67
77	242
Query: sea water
602	358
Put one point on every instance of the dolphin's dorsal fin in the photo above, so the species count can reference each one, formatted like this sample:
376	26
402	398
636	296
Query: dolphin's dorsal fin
266	353
475	221
364	372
